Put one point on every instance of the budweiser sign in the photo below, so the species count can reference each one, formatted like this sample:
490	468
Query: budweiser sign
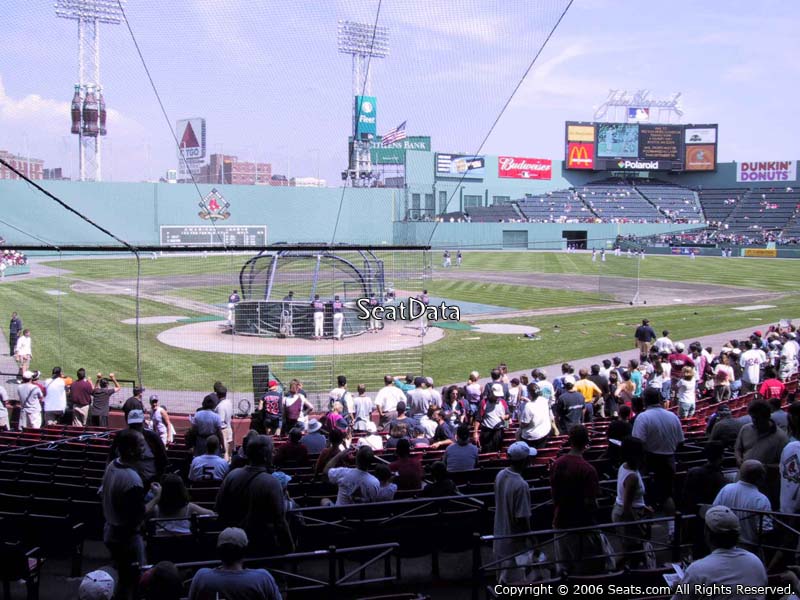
524	168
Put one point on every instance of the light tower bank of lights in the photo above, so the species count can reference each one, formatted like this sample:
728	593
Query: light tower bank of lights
88	109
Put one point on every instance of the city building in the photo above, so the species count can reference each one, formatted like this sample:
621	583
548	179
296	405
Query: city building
33	168
223	168
55	174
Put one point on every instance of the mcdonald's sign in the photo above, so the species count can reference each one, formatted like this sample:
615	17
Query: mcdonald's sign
580	155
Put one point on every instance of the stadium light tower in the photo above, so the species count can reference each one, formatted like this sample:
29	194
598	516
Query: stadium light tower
363	42
88	105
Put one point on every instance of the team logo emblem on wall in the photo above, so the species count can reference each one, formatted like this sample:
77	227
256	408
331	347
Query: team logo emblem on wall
214	207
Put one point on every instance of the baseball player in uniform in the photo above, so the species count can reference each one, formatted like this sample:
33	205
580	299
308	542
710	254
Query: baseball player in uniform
287	314
423	321
458	258
338	317
318	307
373	322
14	329
233	300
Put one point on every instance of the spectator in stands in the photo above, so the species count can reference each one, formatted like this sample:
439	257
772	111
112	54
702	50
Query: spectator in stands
601	381
463	455
239	458
356	485
404	383
442	484
512	511
445	432
219	392
314	440
678	360
340	394
789	355
336	443
790	463
592	395
266	419
570	405
363	408
232	580
387	488
725	428
702	485
294	407
575	487
152	460
55	398
778	415
685	393
123	493
30	398
629	505
387	399
101	400
402	425
81	395
293	453
159	421
664	344
771	387
209	466
644	336
251	498
763	441
751	361
406	468
5	422
535	420
162	582
171	501
727	564
744	495
134	402
723	376
419	399
205	422
428	422
661	434
492	418
224	409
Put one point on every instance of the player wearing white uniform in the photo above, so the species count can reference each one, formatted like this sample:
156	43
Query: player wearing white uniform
423	320
338	318
318	308
233	300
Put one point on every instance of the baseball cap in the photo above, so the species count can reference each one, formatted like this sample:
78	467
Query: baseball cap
757	333
569	380
233	536
721	519
153	397
282	478
520	451
135	416
314	425
97	585
418	381
680	346
27	375
273	383
497	390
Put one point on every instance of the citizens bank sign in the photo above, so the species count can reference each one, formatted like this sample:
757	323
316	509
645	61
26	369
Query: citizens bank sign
515	167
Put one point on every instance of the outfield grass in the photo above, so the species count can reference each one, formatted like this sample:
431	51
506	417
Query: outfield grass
512	296
765	273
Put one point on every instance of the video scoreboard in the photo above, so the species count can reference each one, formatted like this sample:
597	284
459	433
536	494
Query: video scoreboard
640	147
211	235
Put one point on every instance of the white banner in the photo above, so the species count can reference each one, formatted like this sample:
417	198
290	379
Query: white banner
701	135
771	170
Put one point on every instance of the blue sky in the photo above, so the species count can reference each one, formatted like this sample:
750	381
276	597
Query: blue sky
267	76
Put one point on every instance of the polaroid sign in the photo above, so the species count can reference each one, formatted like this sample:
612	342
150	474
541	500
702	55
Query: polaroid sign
639	165
774	170
365	109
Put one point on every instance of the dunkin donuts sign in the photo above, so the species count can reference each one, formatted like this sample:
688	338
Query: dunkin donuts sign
771	170
515	167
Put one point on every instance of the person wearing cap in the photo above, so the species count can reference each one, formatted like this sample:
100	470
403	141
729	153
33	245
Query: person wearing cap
209	466
159	421
123	501
224	409
251	498
570	406
337	307
727	564
512	511
314	440
287	314
97	585
492	419
661	434
23	353
231	579
789	355
644	336
724	428
744	496
134	402
101	400
30	397
751	361
152	460
575	486
266	419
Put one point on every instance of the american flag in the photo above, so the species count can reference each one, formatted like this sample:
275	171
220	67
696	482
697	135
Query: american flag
395	135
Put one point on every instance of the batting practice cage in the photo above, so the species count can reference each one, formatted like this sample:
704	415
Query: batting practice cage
177	320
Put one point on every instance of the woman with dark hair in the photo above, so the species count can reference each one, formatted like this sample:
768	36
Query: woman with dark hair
455	403
171	501
625	390
336	443
629	505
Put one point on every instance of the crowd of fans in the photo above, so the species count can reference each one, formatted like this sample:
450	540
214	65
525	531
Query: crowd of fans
638	409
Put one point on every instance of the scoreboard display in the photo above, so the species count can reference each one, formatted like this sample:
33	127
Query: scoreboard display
640	147
210	235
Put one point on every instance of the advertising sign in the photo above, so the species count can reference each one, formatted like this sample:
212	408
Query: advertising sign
701	135
700	157
580	133
580	155
395	153
191	138
684	250
617	140
366	122
660	142
773	170
515	167
460	165
761	252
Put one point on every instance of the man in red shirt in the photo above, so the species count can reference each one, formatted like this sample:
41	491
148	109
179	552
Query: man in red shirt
678	360
407	469
575	488
81	394
771	387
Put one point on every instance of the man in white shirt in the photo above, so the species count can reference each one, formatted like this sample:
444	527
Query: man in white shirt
387	398
664	344
363	408
224	409
355	485
436	395
30	397
789	354
5	423
727	565
55	398
751	361
534	421
744	494
23	353
209	466
340	394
